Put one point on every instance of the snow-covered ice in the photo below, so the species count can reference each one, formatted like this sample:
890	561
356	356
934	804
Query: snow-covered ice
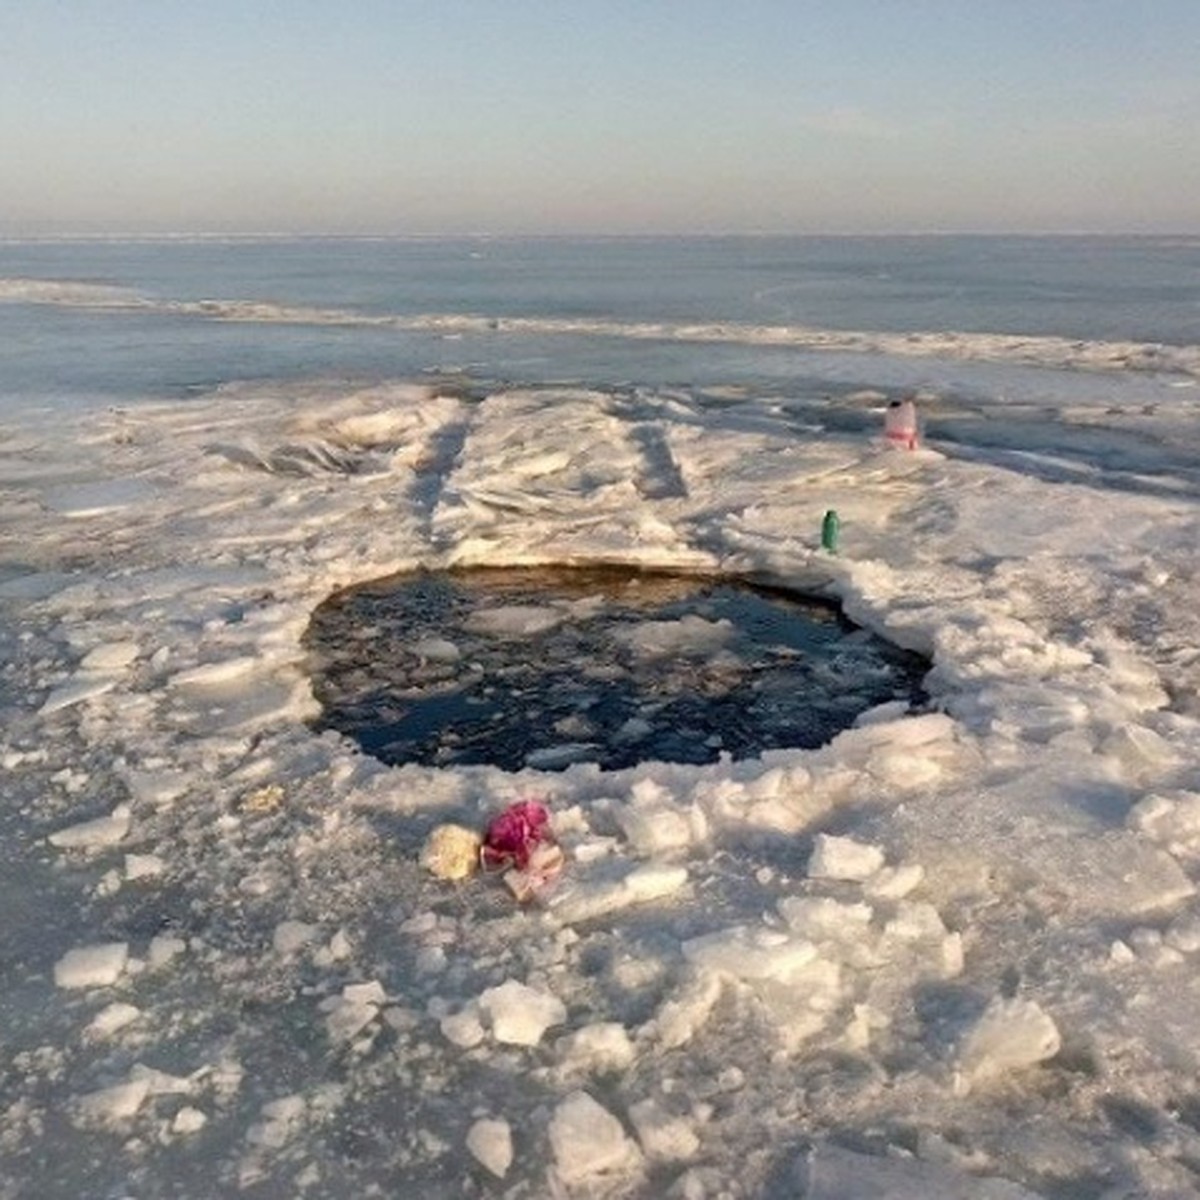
946	954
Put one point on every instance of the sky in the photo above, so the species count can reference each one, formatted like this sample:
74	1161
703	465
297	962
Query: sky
599	116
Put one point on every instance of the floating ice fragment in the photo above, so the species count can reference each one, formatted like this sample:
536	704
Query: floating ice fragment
91	835
163	948
490	1142
1009	1035
680	1018
91	966
587	1140
584	901
435	649
653	829
143	866
894	883
519	1015
843	858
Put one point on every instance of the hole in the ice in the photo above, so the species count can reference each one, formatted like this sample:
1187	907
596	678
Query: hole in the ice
548	666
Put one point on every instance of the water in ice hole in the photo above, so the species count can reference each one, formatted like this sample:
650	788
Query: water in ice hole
542	667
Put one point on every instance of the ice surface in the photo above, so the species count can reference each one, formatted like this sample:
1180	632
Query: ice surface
965	940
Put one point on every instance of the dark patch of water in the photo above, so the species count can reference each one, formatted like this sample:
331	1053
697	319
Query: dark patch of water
548	666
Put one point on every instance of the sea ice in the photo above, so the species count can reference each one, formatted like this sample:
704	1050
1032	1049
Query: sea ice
110	1105
518	1014
587	1141
843	858
92	966
490	1142
94	834
1010	1034
598	1048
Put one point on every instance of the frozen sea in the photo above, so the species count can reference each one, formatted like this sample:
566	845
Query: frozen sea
955	953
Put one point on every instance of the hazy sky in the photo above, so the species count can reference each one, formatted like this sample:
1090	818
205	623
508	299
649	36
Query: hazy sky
599	115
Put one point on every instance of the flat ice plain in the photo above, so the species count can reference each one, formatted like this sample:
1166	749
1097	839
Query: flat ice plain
948	955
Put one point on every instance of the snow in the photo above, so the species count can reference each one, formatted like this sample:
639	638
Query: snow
952	953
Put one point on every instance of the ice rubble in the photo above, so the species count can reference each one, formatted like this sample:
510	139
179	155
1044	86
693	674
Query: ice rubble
967	939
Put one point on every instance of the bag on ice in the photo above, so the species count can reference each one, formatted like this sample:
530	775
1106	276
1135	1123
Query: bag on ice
519	842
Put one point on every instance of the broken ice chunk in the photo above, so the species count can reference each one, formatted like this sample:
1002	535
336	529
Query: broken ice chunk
91	835
1009	1035
490	1143
843	858
587	1140
520	1015
92	966
663	1137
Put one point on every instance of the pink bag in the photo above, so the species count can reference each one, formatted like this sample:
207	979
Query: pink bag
519	842
512	836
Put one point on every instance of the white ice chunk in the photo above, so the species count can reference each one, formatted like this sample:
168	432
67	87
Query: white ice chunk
76	690
587	1140
463	1028
111	1018
188	1120
690	634
113	1104
750	953
92	966
663	1137
514	620
490	1142
894	883
365	993
585	900
436	649
94	834
843	858
110	657
1009	1035
603	1046
519	1015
